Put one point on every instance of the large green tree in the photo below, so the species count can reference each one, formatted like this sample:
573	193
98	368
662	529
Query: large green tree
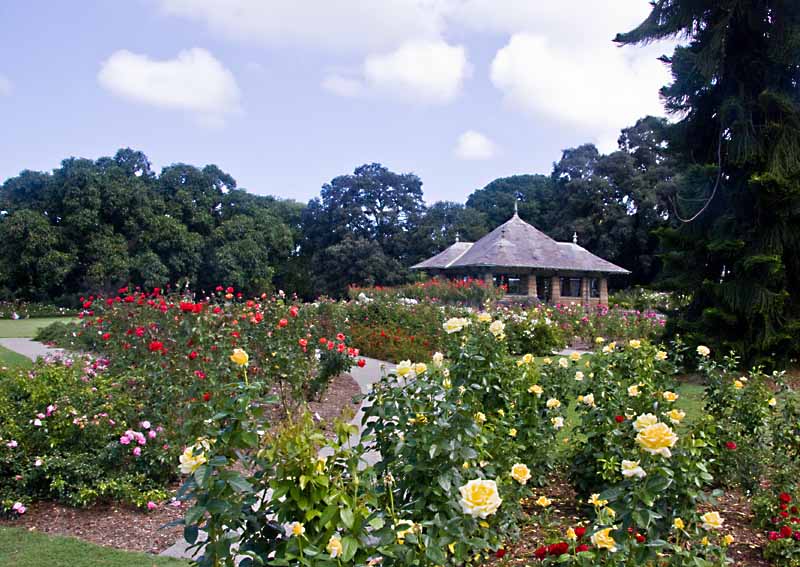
736	94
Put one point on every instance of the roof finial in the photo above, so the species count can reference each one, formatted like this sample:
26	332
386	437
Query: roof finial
516	210
574	237
458	237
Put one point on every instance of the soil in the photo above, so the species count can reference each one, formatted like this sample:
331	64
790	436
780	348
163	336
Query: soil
131	529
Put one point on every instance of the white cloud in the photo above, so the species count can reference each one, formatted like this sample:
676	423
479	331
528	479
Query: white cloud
5	86
601	89
342	25
473	145
194	81
420	72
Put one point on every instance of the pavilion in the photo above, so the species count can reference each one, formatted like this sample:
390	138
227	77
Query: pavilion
530	263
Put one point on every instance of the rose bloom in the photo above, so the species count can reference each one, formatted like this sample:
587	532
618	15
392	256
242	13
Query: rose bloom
543	501
536	389
670	396
703	350
479	498
438	359
579	376
661	355
484	317
521	473
712	521
676	416
657	439
403	368
480	417
296	529
553	403
455	324
334	547
563	363
191	461
526	359
644	420
634	343
240	357
496	328
603	540
558	422
631	469
420	368
678	524
633	391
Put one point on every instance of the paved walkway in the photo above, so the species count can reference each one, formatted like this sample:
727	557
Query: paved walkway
30	348
365	377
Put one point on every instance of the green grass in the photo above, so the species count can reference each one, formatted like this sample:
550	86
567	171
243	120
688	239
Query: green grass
11	359
22	548
26	328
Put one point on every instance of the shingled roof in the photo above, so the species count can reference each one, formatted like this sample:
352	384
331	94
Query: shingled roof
516	244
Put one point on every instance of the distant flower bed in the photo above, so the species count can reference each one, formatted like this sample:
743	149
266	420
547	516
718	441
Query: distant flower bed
24	310
468	291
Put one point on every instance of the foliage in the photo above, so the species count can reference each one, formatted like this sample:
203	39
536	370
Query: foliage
734	89
470	291
71	432
25	310
642	299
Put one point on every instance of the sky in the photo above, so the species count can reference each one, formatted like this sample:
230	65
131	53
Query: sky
286	94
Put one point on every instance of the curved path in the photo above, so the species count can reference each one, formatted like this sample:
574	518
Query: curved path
30	348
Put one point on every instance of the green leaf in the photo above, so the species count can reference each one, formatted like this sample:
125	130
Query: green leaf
194	514
347	517
349	548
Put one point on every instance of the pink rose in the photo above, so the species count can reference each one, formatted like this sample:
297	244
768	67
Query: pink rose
137	451
124	440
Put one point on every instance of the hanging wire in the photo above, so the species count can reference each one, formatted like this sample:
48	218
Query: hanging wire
713	192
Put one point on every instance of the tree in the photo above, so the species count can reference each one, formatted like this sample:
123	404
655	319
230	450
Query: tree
533	194
735	89
354	260
442	223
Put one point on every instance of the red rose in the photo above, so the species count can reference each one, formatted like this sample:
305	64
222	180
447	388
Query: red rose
500	553
219	288
619	418
559	548
206	397
582	547
106	336
784	497
640	538
293	310
580	531
192	355
541	552
340	337
303	343
323	341
773	536
786	531
731	445
283	323
156	346
87	304
361	363
785	514
229	290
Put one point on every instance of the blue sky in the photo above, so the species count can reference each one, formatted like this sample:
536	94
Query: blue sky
286	95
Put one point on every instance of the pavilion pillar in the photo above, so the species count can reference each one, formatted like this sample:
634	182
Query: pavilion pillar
603	291
585	291
532	291
555	290
488	279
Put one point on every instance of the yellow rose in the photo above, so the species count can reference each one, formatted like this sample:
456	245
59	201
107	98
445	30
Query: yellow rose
479	498
704	541
447	384
296	529
571	534
661	355
632	468
670	396
657	439
633	391
527	359
772	402
455	324
728	539
603	540
712	521
496	328
404	368
521	473
553	403
703	351
546	360
738	384
575	356
635	343
678	524
543	501
588	399
536	389
558	423
240	357
595	501
484	317
512	432
334	547
420	368
191	459
644	420
480	418
438	359
676	416
563	363
599	340
579	376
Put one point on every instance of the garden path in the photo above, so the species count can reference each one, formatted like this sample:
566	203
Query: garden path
30	348
371	372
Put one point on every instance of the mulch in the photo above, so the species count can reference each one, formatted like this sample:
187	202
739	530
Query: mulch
132	529
733	506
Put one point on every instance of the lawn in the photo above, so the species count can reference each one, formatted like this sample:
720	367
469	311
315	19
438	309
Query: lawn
11	359
22	548
26	327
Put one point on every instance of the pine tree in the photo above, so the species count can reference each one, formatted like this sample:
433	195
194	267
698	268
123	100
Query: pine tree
736	96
